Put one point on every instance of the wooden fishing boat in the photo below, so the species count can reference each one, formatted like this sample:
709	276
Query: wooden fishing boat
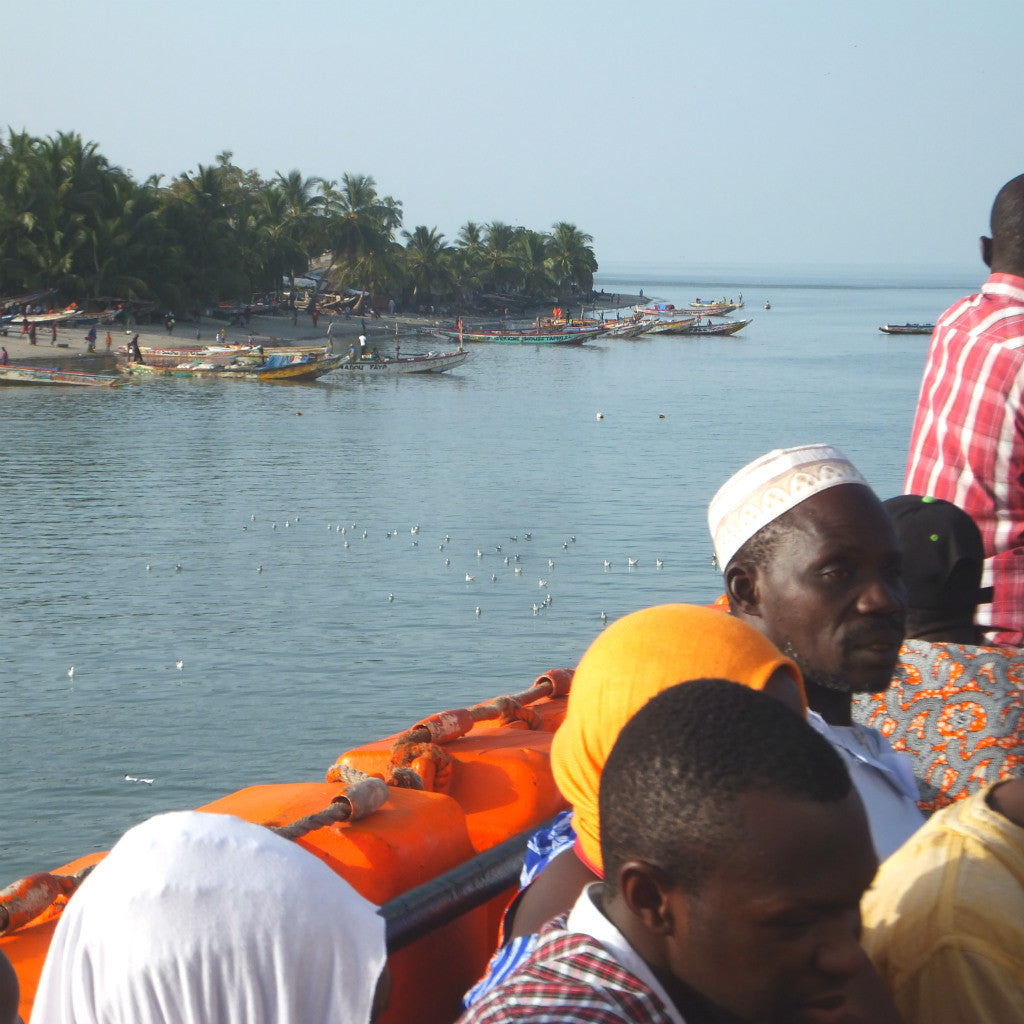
272	368
175	355
52	317
53	375
438	843
907	328
527	336
678	325
725	328
422	362
631	328
721	308
663	311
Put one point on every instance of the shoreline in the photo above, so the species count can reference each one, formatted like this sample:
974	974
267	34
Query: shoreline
71	347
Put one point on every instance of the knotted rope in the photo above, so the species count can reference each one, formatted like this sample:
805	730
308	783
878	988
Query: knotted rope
418	758
24	900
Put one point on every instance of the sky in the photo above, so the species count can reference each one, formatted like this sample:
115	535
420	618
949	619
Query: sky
755	132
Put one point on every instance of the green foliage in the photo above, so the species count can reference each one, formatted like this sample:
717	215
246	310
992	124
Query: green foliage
71	221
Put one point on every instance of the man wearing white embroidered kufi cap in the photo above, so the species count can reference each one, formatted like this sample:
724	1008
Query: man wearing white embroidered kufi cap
811	560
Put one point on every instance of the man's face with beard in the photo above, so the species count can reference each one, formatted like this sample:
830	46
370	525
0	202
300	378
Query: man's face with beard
830	594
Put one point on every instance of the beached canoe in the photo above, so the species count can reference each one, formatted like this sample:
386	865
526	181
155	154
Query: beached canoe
15	320
677	325
439	846
272	368
907	328
52	375
726	327
528	336
422	362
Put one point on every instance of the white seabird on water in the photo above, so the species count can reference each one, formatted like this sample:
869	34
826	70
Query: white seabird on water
71	672
179	664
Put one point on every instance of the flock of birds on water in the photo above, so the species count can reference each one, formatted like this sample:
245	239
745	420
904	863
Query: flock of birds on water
482	567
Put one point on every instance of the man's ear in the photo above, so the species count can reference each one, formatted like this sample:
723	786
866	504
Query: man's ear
986	251
644	889
742	590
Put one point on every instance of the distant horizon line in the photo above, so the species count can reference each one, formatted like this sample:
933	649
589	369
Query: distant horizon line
846	274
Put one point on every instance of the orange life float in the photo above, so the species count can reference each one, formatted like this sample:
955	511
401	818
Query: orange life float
497	783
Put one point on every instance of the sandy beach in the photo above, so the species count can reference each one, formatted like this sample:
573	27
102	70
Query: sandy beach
71	345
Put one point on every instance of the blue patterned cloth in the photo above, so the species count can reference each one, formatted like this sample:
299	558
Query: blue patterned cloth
543	846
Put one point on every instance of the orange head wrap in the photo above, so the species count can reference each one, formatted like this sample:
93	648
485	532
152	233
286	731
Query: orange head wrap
634	659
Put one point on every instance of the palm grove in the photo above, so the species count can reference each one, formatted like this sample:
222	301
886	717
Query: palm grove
72	222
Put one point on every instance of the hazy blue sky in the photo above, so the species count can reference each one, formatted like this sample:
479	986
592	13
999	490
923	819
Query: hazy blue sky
757	131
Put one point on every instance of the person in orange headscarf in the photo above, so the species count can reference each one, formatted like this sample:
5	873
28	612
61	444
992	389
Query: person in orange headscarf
633	660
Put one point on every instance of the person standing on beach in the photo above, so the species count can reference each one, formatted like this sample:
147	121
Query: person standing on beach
5	359
967	445
32	333
53	333
110	341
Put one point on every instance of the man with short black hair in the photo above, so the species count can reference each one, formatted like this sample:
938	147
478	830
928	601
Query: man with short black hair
967	444
734	868
811	560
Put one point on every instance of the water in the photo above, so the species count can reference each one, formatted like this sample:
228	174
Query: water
284	669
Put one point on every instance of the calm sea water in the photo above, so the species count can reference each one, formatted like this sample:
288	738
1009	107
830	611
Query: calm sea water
104	496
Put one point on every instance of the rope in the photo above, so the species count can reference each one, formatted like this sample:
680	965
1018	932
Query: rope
23	901
360	799
418	760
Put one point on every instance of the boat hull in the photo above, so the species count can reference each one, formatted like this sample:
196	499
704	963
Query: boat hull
48	376
522	337
716	330
907	328
297	371
428	362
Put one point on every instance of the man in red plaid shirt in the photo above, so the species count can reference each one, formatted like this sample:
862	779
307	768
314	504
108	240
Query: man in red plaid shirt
736	851
968	441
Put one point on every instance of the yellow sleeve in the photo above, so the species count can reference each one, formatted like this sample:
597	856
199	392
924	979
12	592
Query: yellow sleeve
964	986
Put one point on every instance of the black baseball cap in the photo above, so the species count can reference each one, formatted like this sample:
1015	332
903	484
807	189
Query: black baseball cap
943	554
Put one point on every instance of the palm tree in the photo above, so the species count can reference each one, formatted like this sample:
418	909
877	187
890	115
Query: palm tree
360	231
499	262
427	261
531	256
304	206
571	258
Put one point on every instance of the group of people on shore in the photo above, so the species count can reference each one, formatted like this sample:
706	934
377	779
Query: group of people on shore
802	806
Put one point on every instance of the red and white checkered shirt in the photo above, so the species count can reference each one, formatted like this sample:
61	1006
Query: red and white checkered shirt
968	441
567	979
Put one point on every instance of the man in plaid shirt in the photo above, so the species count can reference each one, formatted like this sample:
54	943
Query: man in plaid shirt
735	851
967	445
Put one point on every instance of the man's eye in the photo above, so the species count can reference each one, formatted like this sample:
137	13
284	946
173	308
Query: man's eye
835	572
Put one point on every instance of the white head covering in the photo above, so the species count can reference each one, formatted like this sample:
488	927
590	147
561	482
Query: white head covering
770	486
206	919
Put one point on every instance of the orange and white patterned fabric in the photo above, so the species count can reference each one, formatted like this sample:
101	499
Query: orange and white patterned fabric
959	710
